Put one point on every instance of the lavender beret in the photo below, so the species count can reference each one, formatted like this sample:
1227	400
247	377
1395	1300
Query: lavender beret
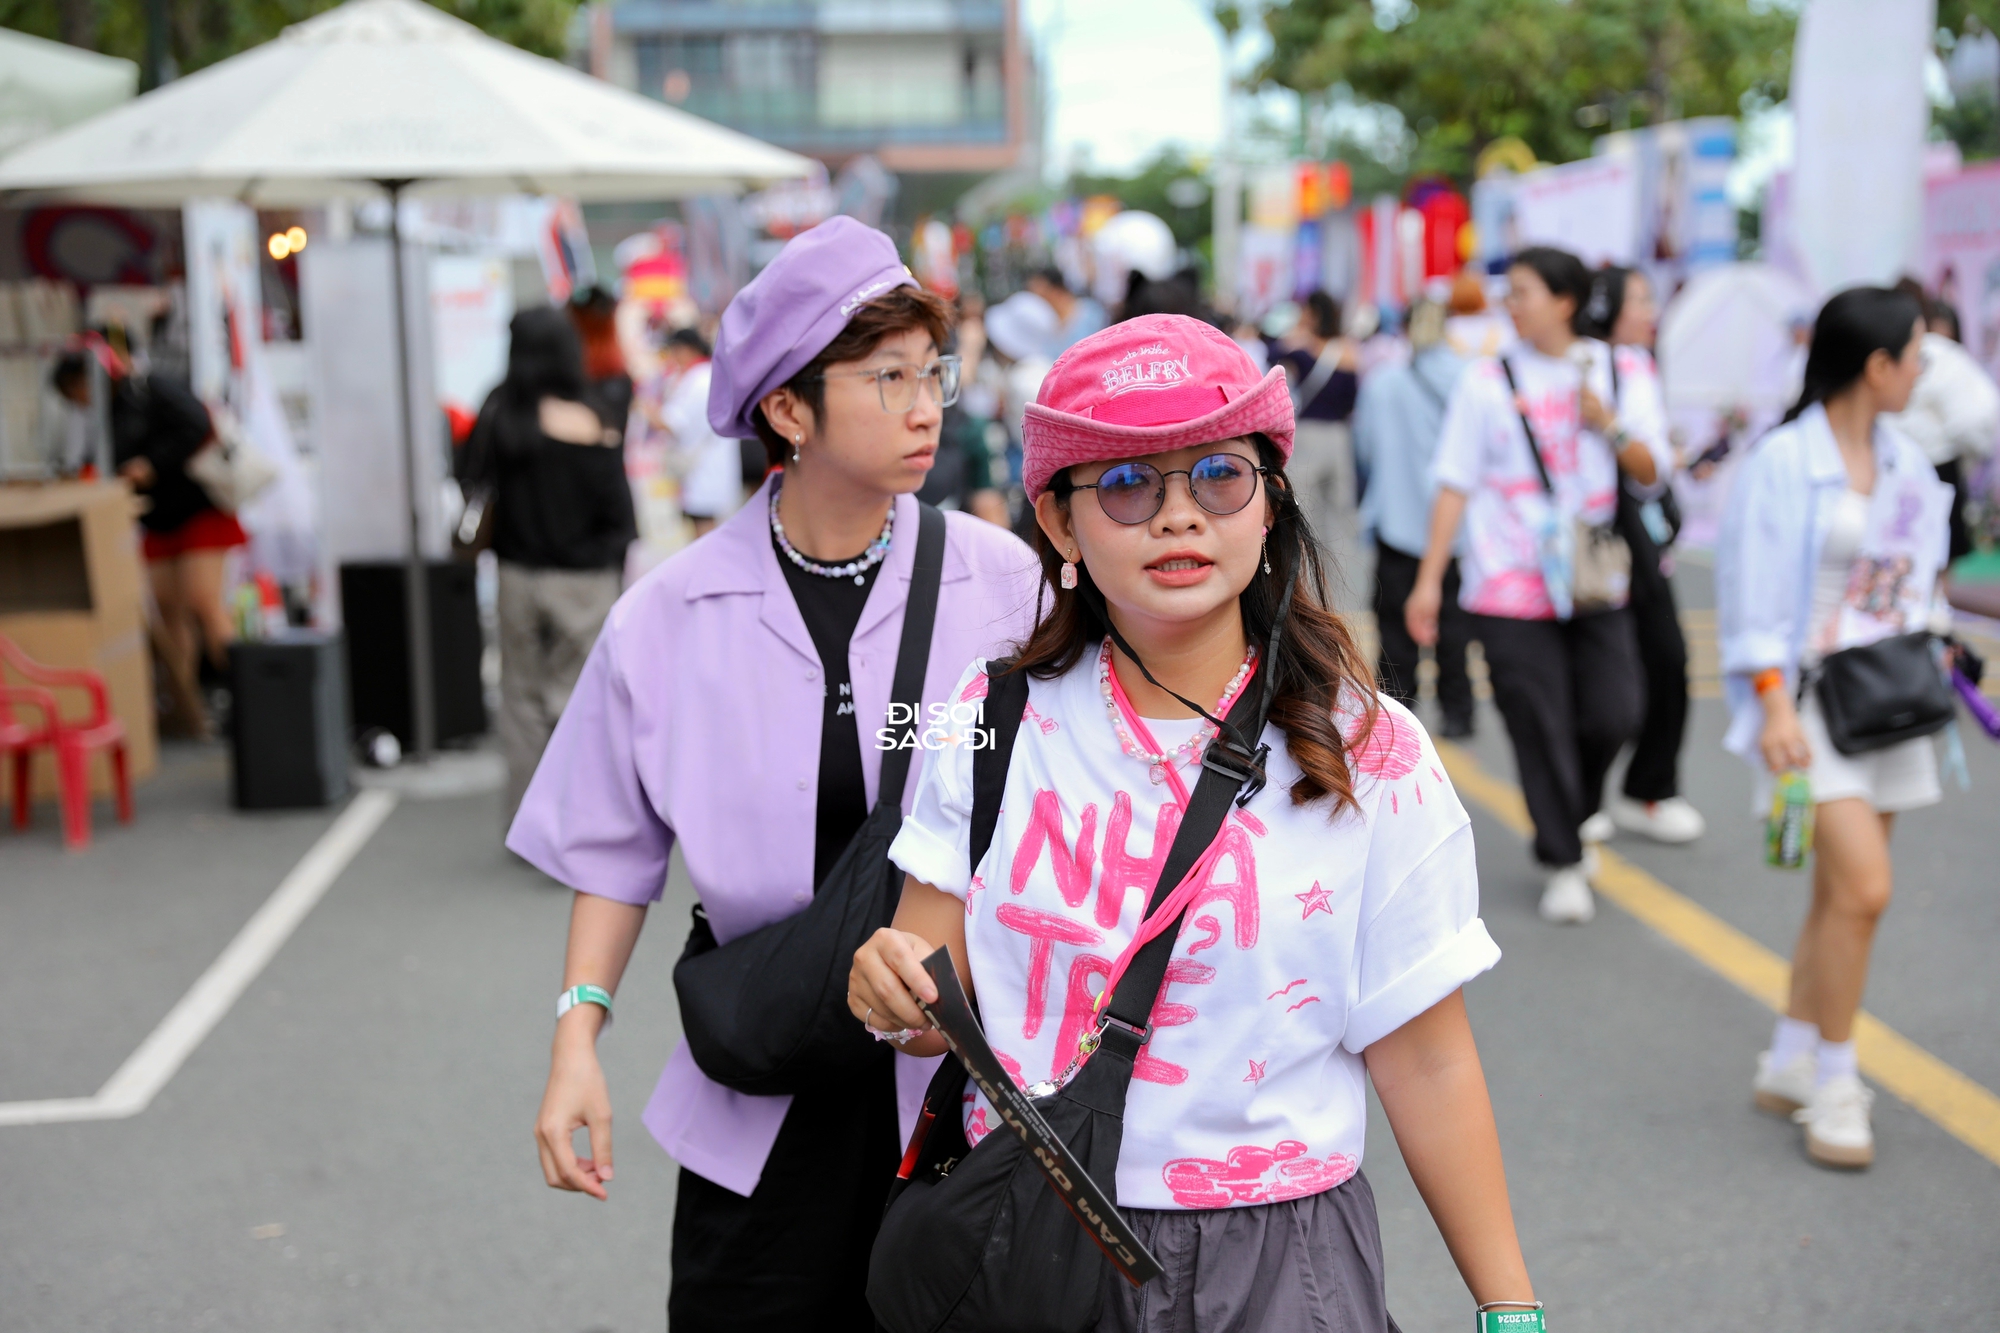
791	312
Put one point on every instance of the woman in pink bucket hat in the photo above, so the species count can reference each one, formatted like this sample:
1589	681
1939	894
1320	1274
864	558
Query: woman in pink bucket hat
1320	941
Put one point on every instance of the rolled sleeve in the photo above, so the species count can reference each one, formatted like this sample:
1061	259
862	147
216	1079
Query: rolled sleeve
1460	460
1425	942
935	843
586	819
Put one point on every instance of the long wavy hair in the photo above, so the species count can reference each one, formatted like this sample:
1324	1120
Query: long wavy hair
1319	672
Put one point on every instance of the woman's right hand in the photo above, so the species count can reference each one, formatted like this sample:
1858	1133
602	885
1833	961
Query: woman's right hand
1420	612
576	1097
885	983
1783	741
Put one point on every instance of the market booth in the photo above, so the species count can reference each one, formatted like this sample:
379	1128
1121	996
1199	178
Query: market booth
71	596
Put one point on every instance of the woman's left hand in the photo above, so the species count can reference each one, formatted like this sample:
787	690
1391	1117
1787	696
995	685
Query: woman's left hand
1594	413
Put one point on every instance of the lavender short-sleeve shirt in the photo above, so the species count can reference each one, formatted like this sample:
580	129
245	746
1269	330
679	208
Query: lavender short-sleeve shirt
697	719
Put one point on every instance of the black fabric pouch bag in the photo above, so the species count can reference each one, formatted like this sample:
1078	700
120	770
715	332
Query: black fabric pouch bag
1883	693
767	1013
976	1240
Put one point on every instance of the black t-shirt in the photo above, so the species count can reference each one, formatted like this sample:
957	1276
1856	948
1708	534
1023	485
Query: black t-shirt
832	607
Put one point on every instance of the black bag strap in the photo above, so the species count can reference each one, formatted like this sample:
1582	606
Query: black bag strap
1534	449
1131	1005
1006	702
913	654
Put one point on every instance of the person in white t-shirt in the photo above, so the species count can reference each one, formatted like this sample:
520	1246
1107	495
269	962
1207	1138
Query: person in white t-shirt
1567	679
1322	940
711	465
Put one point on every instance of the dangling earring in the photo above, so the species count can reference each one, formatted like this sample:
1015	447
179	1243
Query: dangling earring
797	440
1266	549
1069	572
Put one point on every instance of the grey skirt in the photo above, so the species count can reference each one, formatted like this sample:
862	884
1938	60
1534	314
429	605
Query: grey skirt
1311	1265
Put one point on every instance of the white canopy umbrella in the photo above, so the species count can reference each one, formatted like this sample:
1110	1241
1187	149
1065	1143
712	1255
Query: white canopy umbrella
391	90
46	85
392	97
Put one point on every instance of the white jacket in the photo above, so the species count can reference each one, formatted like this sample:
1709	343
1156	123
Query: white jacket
1954	412
1773	532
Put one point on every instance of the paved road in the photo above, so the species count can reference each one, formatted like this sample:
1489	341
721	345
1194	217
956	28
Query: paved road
350	1150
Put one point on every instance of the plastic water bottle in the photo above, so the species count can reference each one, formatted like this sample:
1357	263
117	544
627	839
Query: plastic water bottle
1789	830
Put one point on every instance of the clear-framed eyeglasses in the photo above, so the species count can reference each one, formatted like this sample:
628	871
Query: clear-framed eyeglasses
899	385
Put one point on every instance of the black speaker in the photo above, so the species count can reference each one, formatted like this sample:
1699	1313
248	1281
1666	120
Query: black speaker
288	721
378	654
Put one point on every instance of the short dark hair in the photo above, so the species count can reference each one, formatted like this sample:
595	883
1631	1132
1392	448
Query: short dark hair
692	340
1053	277
1562	273
1325	312
895	311
70	367
1605	303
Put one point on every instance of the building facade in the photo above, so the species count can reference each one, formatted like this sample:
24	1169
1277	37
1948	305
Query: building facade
926	86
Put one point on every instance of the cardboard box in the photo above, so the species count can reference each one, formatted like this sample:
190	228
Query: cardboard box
71	595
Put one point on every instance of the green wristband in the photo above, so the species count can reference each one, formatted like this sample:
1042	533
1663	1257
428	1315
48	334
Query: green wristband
1509	1317
577	995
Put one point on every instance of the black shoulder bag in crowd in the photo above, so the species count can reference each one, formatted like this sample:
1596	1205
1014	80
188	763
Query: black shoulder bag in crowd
1883	693
981	1239
767	1012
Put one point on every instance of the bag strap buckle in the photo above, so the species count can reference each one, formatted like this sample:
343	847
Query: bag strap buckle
1238	766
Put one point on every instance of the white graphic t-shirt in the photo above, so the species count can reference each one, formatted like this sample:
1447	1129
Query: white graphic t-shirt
1312	938
1483	454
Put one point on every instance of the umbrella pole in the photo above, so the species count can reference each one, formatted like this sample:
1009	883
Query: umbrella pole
416	584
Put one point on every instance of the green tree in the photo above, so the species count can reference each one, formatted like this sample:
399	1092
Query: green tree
201	32
1552	73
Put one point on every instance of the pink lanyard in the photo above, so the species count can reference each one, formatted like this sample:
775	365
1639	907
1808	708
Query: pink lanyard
1198	873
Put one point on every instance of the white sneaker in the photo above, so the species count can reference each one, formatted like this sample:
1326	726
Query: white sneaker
1786	1089
1597	828
1671	820
1836	1121
1567	899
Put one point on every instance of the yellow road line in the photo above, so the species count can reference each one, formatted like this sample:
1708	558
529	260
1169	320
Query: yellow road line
1963	1108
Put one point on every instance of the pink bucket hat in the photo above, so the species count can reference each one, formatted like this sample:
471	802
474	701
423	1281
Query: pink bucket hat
1145	386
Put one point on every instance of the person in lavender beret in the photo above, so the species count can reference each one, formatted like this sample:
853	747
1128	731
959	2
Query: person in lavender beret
730	708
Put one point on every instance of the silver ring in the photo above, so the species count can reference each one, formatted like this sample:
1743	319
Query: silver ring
864	1017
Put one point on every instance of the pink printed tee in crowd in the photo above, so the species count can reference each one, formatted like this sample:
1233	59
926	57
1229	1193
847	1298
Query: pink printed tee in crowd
1313	937
1483	454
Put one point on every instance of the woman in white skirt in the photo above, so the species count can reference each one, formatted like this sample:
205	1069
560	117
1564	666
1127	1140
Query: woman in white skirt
1834	537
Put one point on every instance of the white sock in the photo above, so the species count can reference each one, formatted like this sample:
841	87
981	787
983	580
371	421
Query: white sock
1836	1060
1792	1038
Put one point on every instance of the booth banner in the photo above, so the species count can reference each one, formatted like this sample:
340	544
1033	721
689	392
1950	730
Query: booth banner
1590	208
472	300
228	370
1861	116
1263	270
1962	254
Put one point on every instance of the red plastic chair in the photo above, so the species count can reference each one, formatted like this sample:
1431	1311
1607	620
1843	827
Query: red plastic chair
21	739
73	743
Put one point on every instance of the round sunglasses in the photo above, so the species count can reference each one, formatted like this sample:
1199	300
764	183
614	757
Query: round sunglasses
1134	492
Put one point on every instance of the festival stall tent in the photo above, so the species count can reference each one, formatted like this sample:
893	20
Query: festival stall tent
392	99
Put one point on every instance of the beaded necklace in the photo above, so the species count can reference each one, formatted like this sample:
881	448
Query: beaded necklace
857	567
1159	765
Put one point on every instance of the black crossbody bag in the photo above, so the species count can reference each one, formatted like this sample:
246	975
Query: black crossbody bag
767	1012
1883	693
976	1239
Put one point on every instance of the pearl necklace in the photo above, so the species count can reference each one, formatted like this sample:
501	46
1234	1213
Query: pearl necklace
1189	750
858	568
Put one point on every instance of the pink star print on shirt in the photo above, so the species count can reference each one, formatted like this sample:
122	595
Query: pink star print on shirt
1316	899
1256	1074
